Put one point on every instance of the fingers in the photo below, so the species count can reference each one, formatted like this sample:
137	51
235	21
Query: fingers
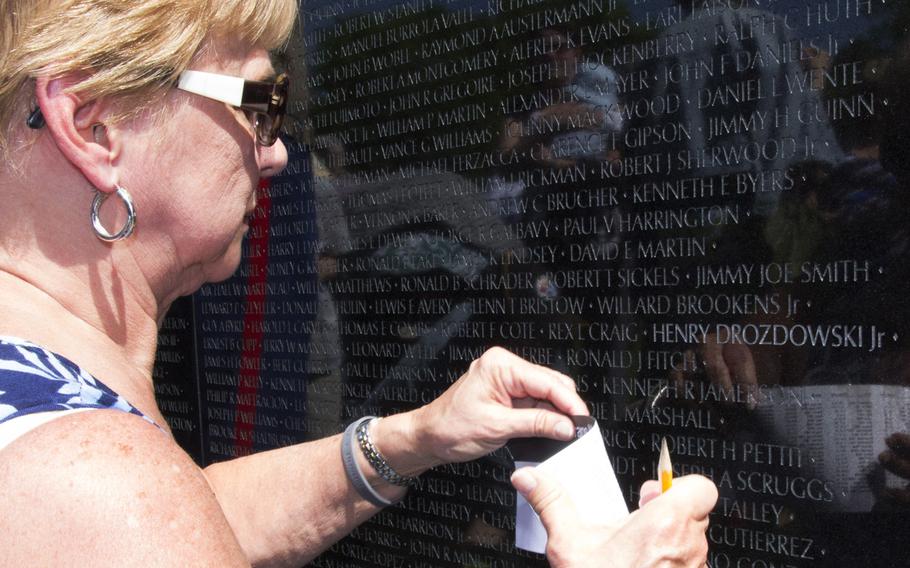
741	364
697	494
895	463
742	370
678	375
896	458
715	366
900	443
901	496
539	422
506	356
547	498
523	379
567	381
649	490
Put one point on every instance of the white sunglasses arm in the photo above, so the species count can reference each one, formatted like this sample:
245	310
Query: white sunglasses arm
222	88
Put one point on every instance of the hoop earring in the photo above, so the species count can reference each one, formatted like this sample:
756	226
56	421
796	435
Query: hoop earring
127	229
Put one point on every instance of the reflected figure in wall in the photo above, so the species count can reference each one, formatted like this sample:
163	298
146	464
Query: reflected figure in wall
579	127
563	145
325	362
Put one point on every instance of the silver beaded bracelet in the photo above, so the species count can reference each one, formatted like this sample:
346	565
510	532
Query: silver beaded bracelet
376	459
352	468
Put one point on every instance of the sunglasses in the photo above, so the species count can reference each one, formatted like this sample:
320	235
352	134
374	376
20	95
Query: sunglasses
267	100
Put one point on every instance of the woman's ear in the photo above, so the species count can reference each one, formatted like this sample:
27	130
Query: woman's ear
78	129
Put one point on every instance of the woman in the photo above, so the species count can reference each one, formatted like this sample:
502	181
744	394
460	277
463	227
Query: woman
103	100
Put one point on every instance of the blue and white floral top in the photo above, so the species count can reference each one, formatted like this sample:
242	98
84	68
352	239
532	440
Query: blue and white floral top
34	380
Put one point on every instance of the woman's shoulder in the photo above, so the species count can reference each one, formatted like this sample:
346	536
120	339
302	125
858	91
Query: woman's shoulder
109	486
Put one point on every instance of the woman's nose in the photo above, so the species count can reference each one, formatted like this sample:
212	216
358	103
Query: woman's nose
273	159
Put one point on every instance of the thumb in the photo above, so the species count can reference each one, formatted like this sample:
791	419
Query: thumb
693	493
539	423
649	491
548	499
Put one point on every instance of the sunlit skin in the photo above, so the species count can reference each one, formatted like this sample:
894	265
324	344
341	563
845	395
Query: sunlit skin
212	166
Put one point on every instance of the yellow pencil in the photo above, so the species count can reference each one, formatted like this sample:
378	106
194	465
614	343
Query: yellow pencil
664	468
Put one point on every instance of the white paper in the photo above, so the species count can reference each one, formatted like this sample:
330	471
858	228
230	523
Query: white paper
840	431
586	475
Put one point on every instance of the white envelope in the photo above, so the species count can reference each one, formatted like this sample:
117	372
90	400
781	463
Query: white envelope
586	475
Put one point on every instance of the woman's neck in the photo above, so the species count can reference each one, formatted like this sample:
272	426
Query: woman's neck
90	315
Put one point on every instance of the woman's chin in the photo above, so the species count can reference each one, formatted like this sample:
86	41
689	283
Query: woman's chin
221	276
226	266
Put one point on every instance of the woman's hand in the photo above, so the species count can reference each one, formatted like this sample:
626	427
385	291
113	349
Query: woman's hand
669	529
896	459
730	367
502	396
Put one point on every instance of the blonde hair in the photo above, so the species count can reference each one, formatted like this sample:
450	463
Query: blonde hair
131	50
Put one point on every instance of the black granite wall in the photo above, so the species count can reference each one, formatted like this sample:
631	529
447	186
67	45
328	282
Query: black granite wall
696	208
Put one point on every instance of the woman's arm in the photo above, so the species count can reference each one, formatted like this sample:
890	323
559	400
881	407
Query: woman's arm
104	487
287	505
